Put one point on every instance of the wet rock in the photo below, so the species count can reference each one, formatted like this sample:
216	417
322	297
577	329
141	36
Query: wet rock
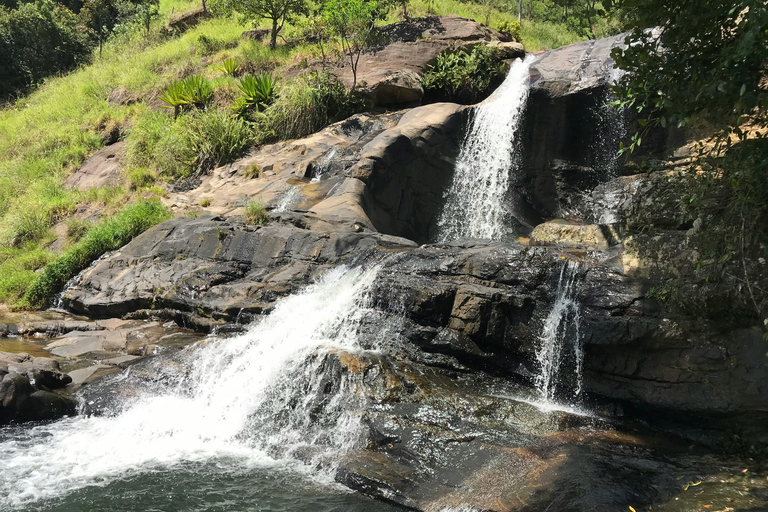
46	406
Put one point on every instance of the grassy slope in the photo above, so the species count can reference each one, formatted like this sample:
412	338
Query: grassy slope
46	136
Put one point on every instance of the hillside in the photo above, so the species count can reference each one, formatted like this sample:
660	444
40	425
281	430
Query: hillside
46	136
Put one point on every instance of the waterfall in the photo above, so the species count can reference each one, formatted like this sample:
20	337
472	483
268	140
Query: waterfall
489	156
254	399
561	340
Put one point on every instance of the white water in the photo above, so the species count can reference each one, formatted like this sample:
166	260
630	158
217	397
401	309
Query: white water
231	405
561	340
288	199
475	203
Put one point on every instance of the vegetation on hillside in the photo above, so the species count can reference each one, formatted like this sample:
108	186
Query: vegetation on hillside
710	79
213	81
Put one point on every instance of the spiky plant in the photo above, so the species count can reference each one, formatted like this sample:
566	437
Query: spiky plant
257	92
229	67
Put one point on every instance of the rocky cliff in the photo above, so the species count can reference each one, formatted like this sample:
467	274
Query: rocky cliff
368	191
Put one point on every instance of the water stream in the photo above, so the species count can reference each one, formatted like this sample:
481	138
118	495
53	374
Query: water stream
244	403
560	354
475	202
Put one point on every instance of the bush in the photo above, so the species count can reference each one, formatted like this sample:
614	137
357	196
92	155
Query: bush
193	91
512	29
465	77
216	138
256	213
305	106
17	270
229	67
141	177
108	235
76	229
38	40
257	92
195	143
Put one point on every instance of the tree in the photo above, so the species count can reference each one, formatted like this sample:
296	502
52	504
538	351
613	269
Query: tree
38	40
704	65
277	11
353	21
703	61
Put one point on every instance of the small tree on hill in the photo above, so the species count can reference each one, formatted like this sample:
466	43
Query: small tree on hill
277	11
353	21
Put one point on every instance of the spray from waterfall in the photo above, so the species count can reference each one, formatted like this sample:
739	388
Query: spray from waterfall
489	157
256	399
560	355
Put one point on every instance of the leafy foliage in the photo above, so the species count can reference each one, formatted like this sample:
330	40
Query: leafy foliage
193	91
229	67
38	40
353	21
512	28
704	69
257	92
193	143
305	106
108	235
253	11
465	77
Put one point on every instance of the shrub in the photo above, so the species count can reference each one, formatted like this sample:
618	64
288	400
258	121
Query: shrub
210	45
108	235
205	203
37	40
198	142
229	67
511	28
465	77
216	138
257	92
193	91
256	213
307	105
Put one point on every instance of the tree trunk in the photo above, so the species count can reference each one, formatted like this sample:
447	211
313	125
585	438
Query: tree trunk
520	10
273	36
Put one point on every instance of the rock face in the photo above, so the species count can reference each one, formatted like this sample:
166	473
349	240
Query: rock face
27	387
471	316
392	73
576	68
100	170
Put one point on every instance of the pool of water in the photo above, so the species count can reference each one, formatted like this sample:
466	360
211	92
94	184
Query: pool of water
213	486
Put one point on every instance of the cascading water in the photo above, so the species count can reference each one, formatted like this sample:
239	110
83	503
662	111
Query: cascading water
561	341
247	399
474	204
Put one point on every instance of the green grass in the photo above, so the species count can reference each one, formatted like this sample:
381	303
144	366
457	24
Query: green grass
45	136
255	213
109	234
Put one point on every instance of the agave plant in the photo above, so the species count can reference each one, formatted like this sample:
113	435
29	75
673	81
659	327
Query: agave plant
229	67
194	91
173	97
257	92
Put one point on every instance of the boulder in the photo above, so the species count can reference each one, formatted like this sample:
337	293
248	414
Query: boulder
573	235
26	383
391	73
576	68
102	169
121	96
